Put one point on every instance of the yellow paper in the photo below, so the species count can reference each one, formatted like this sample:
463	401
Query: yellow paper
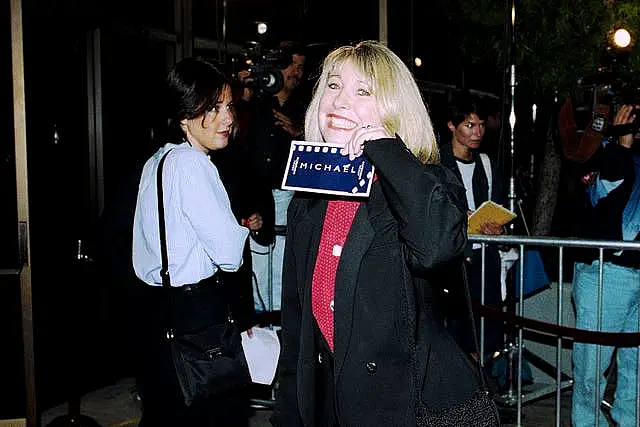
489	212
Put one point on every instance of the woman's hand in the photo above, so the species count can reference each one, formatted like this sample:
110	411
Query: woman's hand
491	228
366	133
254	222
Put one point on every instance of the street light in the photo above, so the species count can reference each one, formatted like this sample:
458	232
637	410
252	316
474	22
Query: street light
615	57
262	27
621	38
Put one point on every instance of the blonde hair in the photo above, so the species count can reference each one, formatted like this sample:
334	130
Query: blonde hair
401	106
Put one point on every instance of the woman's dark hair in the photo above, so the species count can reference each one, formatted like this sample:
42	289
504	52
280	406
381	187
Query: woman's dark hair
463	106
193	87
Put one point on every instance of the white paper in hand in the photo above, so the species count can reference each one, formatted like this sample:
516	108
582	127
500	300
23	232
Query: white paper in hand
262	352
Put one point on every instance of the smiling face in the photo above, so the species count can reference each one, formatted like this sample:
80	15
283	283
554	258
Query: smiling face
211	131
346	105
467	135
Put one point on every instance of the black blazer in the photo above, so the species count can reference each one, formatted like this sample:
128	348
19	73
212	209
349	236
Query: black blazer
413	222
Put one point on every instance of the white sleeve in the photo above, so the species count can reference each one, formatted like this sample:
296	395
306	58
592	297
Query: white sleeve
207	207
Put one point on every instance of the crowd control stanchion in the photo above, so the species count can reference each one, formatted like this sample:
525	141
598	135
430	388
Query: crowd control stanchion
76	360
271	317
270	275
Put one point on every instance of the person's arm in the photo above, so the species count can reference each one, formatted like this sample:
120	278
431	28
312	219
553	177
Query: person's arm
206	206
295	129
286	413
427	200
617	161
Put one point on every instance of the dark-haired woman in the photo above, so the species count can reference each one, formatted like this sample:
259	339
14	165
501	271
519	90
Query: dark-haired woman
202	235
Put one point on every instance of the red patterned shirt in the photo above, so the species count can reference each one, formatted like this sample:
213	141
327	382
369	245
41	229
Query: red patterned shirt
337	223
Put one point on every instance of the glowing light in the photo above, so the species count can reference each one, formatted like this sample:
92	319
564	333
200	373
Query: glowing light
417	61
262	27
534	110
622	38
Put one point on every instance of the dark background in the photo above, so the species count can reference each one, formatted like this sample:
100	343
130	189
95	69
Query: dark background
78	344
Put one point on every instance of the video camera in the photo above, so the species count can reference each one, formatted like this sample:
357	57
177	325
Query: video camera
264	66
616	99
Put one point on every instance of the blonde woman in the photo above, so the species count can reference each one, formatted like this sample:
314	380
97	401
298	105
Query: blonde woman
350	323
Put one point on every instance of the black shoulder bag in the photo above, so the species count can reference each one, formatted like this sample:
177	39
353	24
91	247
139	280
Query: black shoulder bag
478	409
209	361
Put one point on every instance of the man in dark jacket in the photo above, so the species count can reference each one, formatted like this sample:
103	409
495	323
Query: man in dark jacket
268	122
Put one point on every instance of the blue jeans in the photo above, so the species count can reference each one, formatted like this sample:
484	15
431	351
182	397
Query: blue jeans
260	257
621	290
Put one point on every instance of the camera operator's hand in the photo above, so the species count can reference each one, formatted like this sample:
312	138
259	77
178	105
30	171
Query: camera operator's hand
294	129
244	77
625	117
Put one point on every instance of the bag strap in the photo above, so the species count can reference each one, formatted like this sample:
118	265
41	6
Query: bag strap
164	270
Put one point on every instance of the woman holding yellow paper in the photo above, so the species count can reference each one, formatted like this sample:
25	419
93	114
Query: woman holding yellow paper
482	182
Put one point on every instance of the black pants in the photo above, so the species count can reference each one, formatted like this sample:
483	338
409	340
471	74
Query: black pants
161	396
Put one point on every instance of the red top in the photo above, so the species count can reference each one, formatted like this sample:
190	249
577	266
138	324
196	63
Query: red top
337	223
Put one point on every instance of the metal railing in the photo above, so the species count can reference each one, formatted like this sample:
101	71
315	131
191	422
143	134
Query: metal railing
515	396
520	320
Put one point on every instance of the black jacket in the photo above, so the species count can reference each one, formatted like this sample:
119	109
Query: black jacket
413	222
480	181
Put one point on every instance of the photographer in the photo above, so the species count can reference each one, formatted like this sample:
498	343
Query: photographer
613	186
274	118
270	117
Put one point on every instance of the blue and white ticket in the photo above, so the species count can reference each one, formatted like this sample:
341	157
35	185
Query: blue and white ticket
319	167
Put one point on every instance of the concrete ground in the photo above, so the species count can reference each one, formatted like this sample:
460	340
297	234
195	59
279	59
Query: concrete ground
114	406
